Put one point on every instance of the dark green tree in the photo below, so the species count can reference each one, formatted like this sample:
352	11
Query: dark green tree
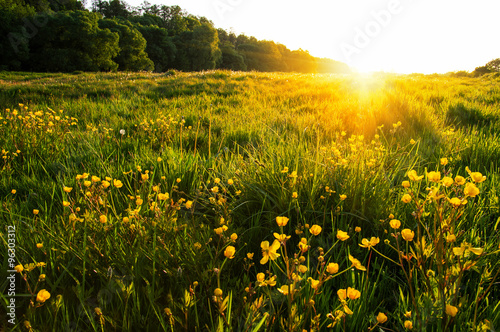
73	41
197	49
16	31
494	65
159	47
132	55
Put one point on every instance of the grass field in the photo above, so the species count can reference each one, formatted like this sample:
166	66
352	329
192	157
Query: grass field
231	201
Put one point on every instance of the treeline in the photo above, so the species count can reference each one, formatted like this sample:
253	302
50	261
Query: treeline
64	36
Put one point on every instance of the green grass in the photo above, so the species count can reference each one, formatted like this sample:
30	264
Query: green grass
244	148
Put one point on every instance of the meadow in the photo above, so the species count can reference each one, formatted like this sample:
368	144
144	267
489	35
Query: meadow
244	201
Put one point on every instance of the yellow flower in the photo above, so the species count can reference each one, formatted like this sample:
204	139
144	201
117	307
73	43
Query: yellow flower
315	230
179	180
447	181
95	178
460	180
103	219
475	176
343	197
234	236
125	219
456	202
35	211
229	252
189	204
471	190
451	310
413	175
408	324
412	141
281	237
158	159
117	183
145	176
139	201
13	191
357	229
269	252
406	198
356	263
281	221
39	245
434	176
394	223
67	189
283	289
451	238
407	314
302	268
19	268
65	203
42	296
163	197
332	268
341	235
105	184
405	184
215	189
87	183
352	293
407	234
250	255
295	195
218	292
381	318
368	244
465	248
444	161
303	245
314	283
285	170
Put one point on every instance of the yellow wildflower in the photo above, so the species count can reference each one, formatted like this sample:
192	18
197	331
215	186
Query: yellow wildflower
451	310
475	176
332	268
444	161
315	230
229	252
395	223
117	183
281	221
42	296
471	190
447	181
407	234
356	263
460	180
368	244
39	245
405	184
434	176
341	235
103	219
408	324
19	268
343	197
67	189
269	252
406	198
381	318
413	176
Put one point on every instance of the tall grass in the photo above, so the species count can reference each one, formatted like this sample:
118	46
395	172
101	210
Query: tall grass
144	201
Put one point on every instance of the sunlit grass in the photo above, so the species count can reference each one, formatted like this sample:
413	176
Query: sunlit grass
148	201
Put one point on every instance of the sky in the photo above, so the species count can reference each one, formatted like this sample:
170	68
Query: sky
401	36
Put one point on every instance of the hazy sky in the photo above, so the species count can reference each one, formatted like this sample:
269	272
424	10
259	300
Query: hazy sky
392	35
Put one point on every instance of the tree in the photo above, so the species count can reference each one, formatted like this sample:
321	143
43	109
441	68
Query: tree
159	47
494	65
132	55
73	41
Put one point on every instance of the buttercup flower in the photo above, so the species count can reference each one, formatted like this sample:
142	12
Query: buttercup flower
475	176
315	230
408	324
381	318
343	197
42	296
229	252
405	184
352	293
218	292
471	190
189	204
341	235
117	183
395	223
456	202
269	252
356	263
281	221
67	189
460	180
407	234
406	198
19	268
368	244
413	175
332	268
434	176
447	181
451	310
